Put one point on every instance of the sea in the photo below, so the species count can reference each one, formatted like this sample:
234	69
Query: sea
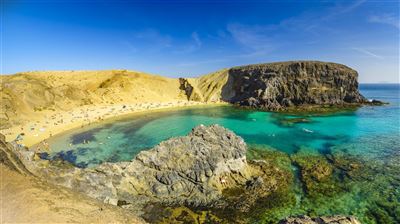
370	134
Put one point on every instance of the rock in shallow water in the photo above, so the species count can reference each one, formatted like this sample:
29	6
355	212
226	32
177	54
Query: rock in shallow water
206	168
338	219
191	170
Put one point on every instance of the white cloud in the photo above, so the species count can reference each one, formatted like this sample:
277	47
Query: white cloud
389	19
193	45
149	40
263	39
195	37
258	39
368	53
311	20
196	63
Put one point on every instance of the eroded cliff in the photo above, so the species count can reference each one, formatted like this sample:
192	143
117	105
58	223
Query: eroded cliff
281	85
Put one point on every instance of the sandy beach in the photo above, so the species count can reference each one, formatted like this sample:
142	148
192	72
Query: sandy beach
53	123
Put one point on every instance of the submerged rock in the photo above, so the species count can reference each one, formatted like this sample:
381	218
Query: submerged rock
276	86
338	219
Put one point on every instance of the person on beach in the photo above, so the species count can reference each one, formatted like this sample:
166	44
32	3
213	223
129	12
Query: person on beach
19	137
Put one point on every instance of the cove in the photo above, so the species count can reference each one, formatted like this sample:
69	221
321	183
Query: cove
122	139
346	162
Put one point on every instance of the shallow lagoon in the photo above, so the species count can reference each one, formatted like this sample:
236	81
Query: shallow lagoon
361	147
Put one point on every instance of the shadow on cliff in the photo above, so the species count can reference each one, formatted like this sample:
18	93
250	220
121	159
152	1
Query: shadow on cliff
227	92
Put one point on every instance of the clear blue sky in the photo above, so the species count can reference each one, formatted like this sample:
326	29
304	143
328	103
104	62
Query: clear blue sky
189	38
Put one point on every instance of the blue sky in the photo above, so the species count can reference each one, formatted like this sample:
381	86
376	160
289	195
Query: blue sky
188	38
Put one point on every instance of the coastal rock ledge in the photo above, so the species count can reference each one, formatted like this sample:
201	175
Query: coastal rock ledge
201	170
190	170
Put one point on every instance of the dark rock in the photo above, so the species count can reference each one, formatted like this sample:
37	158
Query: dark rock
186	87
276	86
337	219
376	102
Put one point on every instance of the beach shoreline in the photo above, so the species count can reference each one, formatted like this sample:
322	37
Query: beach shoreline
53	123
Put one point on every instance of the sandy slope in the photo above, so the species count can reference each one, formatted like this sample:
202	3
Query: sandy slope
32	94
28	200
41	104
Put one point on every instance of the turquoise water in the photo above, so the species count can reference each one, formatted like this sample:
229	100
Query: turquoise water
361	147
121	140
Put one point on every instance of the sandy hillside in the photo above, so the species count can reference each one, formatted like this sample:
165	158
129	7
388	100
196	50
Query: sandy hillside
208	87
31	94
42	104
27	200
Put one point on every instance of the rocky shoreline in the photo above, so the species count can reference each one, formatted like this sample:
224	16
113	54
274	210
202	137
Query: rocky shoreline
208	168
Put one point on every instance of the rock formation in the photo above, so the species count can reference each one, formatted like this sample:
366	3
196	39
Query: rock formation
276	86
321	220
190	170
10	158
206	168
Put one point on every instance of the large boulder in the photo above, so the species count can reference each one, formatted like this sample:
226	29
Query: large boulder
191	170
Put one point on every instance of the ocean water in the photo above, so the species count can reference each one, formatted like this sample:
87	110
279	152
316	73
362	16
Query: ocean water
121	140
361	146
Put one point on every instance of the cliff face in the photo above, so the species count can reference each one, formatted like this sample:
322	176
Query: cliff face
276	86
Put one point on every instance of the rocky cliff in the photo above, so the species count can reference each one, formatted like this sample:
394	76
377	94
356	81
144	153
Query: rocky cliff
278	86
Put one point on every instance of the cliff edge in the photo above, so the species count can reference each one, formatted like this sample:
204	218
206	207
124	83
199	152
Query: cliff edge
282	85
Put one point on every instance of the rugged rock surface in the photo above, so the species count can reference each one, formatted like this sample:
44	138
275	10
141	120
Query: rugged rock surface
276	86
207	168
9	156
191	170
321	220
186	87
